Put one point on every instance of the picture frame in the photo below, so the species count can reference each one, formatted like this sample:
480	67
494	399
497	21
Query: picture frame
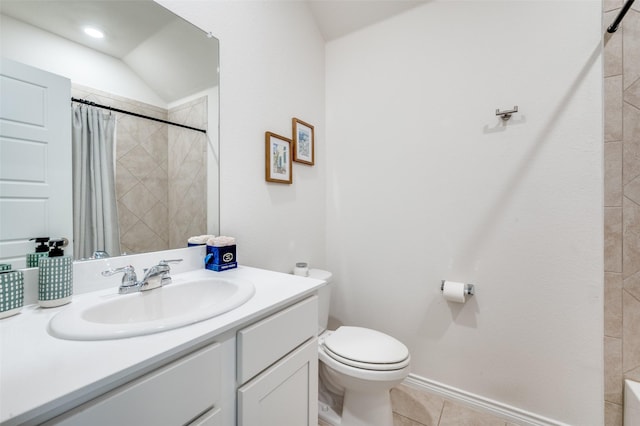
303	142
278	156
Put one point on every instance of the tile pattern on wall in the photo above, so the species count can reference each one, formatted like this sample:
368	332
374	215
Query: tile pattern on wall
187	191
157	166
622	206
141	171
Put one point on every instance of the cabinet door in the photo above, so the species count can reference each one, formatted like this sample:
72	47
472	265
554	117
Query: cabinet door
286	394
170	396
210	418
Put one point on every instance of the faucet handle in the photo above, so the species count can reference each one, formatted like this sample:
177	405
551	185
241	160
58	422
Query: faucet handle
128	279
165	277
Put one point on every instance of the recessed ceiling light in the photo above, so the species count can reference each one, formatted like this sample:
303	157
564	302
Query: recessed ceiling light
93	32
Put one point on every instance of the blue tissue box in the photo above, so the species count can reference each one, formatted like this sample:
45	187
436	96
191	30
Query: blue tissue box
220	258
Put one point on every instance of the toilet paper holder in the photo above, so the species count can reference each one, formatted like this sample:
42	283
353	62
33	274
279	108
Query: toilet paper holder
469	289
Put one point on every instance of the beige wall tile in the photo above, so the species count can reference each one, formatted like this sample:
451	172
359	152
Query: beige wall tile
155	142
137	239
156	182
631	148
631	47
187	173
632	285
613	174
158	221
632	190
633	374
419	406
613	108
141	172
612	414
126	135
139	200
630	237
126	218
613	304
630	332
138	162
613	388
632	94
612	56
613	239
622	356
610	5
124	180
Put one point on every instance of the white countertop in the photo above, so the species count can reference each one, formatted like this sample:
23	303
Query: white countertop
40	373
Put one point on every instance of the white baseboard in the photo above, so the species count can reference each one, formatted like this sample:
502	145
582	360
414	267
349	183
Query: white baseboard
507	412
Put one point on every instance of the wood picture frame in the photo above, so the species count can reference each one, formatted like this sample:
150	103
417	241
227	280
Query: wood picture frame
278	156
303	142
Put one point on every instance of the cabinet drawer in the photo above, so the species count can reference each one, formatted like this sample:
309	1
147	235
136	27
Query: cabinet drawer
172	395
266	341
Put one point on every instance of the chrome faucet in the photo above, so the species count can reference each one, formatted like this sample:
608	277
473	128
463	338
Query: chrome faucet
154	277
157	275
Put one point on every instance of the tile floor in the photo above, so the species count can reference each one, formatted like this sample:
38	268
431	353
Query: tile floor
415	408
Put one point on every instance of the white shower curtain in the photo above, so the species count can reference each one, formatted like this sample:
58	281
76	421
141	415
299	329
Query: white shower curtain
95	215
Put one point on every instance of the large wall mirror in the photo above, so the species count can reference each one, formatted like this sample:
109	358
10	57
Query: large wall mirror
151	63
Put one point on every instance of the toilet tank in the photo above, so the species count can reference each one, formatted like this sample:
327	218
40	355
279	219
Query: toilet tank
324	297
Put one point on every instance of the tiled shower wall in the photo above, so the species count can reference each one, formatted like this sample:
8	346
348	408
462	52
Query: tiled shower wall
187	168
621	206
144	174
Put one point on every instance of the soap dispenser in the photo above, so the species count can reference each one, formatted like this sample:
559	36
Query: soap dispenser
42	250
55	276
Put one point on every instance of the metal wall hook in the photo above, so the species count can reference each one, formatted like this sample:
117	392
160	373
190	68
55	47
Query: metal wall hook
506	115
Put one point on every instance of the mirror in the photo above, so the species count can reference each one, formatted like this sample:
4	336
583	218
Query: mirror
166	176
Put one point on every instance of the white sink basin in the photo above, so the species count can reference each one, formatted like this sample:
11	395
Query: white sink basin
183	302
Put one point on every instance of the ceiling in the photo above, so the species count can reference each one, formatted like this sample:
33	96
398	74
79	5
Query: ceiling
336	18
144	35
150	39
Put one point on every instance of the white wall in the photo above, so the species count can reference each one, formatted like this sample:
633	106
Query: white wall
426	183
271	70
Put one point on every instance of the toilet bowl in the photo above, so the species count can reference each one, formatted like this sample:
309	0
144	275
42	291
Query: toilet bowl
358	367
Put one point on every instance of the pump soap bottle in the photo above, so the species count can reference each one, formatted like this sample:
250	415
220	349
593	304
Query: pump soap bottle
42	250
55	276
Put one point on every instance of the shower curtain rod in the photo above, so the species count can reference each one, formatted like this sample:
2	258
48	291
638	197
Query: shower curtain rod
86	102
614	27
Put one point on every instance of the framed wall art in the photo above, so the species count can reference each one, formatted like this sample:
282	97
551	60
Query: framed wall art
303	142
278	158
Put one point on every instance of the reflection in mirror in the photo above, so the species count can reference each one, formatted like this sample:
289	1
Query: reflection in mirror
149	62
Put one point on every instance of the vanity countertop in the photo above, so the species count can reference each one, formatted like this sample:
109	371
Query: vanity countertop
40	373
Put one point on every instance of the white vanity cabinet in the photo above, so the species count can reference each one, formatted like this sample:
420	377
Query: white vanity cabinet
277	361
276	381
184	392
254	365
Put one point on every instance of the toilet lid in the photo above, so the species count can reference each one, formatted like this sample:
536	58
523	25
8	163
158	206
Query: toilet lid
366	348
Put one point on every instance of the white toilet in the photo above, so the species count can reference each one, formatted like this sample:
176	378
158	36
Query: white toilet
358	367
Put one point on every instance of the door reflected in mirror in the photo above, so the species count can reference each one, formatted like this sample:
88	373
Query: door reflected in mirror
153	64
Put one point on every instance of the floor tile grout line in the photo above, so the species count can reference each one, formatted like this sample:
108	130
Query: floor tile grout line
441	412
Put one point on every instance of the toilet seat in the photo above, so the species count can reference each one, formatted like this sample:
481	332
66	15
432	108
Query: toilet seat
366	349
